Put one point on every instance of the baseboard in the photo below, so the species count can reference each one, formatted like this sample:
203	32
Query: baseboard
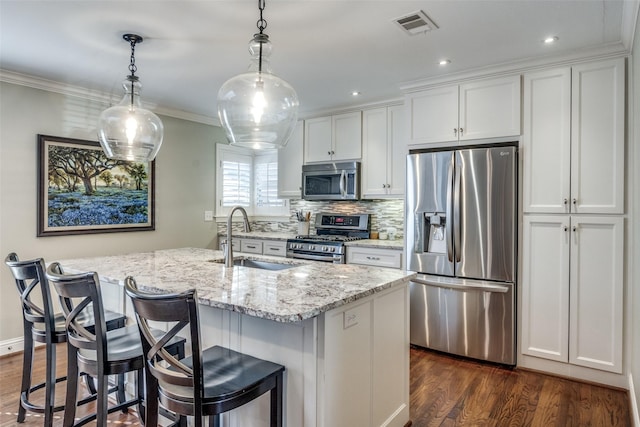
633	397
11	346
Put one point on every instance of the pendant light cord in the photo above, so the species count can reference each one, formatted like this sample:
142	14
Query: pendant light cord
132	66
261	24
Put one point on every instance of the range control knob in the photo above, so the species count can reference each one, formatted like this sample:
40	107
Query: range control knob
333	249
312	247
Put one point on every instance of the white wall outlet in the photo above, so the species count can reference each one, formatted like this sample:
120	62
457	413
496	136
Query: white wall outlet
350	319
208	215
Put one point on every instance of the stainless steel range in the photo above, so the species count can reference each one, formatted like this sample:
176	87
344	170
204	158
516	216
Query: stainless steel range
333	230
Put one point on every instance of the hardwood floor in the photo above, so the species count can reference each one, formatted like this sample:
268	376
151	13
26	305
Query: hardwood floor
449	391
445	391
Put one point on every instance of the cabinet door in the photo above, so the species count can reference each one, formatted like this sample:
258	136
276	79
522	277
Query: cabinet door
317	139
375	257
347	366
490	108
290	165
397	150
546	142
433	115
374	152
597	137
545	287
597	251
347	136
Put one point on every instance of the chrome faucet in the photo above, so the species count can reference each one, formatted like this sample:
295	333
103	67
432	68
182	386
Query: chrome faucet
228	248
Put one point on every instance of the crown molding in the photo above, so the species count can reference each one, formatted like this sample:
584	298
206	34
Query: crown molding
612	50
95	96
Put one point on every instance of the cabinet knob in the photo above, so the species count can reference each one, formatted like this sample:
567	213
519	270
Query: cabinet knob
566	228
566	201
329	152
455	131
574	201
461	131
333	152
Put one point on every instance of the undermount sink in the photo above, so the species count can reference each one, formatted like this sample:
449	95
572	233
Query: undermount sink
254	263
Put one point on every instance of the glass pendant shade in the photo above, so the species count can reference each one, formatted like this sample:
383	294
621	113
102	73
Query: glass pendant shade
129	132
258	109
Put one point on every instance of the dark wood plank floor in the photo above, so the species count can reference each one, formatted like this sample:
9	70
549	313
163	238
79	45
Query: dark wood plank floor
445	391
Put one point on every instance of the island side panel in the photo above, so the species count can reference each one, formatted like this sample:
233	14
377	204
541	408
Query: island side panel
363	362
290	344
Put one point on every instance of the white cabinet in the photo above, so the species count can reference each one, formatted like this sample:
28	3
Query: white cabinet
573	139
572	289
290	165
364	362
274	247
251	246
374	256
333	138
384	152
474	110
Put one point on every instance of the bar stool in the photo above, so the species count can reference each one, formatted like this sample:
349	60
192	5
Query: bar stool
99	353
210	382
41	324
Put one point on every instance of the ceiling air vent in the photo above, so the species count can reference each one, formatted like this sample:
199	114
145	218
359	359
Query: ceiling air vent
416	23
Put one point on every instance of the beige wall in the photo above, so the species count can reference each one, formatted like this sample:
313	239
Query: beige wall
634	102
185	187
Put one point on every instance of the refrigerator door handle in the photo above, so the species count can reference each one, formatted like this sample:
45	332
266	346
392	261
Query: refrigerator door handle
463	285
449	219
456	213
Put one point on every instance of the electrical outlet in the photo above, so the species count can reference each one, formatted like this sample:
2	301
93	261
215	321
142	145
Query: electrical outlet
350	319
208	215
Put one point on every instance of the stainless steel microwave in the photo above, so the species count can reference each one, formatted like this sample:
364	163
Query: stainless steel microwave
331	181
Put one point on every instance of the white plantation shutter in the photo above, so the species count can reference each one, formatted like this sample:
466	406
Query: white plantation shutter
249	179
236	184
266	183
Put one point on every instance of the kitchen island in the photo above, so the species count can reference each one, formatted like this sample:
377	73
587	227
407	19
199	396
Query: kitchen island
341	331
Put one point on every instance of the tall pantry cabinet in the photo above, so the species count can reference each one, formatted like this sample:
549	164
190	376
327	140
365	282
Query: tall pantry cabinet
573	201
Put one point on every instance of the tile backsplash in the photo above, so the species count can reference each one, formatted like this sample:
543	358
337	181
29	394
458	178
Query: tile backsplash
385	214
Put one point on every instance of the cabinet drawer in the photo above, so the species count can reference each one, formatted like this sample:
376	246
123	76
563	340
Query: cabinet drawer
234	242
275	248
251	246
375	257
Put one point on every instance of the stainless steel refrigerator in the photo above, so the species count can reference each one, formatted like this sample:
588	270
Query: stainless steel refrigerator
461	239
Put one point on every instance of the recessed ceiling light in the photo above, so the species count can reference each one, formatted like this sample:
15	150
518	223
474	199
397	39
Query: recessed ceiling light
444	61
355	93
550	40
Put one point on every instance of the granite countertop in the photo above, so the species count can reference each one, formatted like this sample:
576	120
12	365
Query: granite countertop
289	295
267	235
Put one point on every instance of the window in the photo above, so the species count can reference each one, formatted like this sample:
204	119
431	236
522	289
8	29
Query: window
248	179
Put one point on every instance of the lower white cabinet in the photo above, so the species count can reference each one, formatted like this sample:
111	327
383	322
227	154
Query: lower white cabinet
572	289
274	247
373	256
258	246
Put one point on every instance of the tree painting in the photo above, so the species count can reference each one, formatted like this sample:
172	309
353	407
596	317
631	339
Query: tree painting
85	190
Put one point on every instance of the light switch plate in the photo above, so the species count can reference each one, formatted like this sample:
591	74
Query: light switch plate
208	215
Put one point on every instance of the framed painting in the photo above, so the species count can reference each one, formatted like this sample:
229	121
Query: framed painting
81	191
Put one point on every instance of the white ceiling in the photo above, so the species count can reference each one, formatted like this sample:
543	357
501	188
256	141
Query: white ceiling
324	48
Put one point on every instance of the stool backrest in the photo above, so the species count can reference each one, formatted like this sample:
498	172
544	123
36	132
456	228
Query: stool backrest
180	310
29	275
80	298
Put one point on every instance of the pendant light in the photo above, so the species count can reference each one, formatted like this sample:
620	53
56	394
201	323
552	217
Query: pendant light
127	131
257	109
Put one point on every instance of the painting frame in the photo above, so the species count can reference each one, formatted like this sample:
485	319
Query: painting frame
69	205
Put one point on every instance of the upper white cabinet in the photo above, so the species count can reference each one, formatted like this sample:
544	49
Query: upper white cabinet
383	152
333	138
573	139
290	165
475	110
572	289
